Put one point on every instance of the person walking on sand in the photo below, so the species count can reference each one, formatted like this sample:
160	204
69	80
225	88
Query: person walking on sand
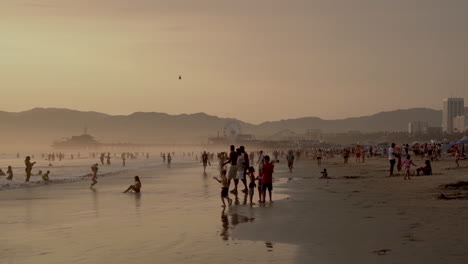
407	163
392	158
29	166
169	159
94	169
135	187
224	188
9	173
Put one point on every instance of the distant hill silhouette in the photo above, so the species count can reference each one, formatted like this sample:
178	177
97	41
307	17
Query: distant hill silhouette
45	125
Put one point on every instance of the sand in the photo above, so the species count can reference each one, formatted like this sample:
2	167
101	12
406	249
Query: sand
178	219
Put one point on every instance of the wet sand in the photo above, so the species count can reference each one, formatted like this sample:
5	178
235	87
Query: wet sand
178	219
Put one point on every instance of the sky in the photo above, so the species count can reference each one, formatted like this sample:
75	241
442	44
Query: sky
255	60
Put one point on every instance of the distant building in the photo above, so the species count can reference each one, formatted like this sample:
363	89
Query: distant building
418	128
434	131
452	107
460	123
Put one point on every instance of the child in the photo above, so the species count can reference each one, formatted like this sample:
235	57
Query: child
224	188
45	176
324	174
407	163
10	173
252	184
267	178
94	169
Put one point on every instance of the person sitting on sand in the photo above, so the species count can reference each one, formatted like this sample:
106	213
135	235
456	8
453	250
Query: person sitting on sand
39	173
324	174
10	173
94	169
407	163
136	187
45	176
426	170
224	188
2	173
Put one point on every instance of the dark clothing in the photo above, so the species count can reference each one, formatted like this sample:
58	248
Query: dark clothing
233	158
224	191
267	186
392	166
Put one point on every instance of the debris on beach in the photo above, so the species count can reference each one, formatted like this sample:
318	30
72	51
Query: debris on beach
381	252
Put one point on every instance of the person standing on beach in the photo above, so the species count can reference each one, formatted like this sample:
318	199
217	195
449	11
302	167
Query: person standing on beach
290	159
102	158
205	161
267	178
9	173
232	175
245	165
169	159
108	158
392	158
260	163
94	169
252	184
319	157
29	166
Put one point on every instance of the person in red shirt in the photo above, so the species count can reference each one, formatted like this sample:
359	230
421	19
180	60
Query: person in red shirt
267	178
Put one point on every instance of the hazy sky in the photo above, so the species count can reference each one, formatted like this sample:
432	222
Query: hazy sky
255	60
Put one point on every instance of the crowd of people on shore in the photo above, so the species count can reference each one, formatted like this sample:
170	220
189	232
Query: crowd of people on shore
254	170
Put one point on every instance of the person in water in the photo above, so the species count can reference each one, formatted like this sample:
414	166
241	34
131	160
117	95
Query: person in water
136	187
224	188
29	166
9	173
94	169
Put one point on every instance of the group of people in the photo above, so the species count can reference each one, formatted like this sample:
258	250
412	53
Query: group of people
396	158
240	169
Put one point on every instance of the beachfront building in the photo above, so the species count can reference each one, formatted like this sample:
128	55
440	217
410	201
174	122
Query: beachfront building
460	123
452	107
418	128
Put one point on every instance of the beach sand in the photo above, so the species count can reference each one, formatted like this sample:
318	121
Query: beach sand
178	219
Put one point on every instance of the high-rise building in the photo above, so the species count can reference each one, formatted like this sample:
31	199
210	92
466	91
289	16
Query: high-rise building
418	128
452	107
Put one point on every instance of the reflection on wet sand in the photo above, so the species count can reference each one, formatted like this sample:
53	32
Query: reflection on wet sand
137	202
95	201
227	226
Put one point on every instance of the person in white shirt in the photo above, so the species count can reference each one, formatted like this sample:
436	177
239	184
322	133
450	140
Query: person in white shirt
392	158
